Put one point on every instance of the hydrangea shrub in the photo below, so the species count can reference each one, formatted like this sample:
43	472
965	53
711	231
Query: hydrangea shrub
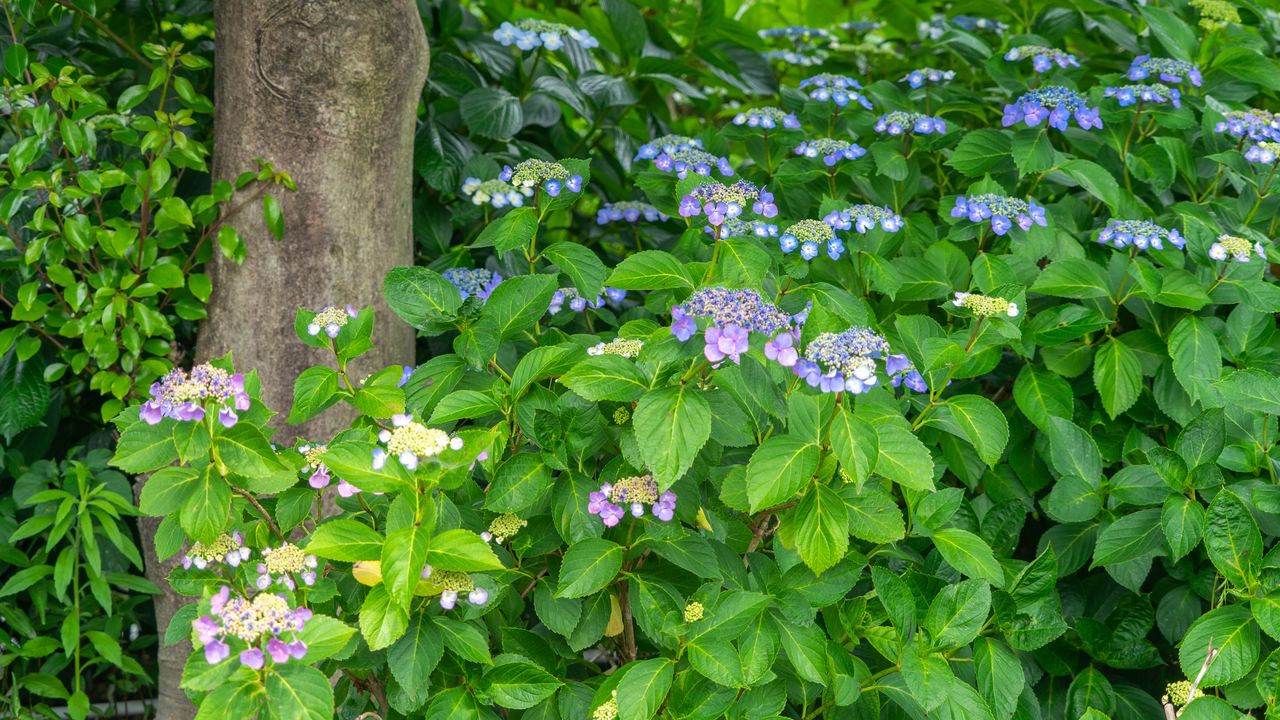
921	387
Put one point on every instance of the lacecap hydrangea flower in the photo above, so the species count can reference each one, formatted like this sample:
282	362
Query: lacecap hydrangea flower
318	475
454	583
1042	58
185	397
1002	212
1264	152
810	236
473	282
723	306
864	218
899	122
842	362
578	302
920	77
1154	94
984	305
1236	248
628	210
266	619
279	565
767	118
830	150
551	176
838	89
795	57
860	26
798	33
1253	123
331	320
497	193
1215	14
1142	234
633	493
1167	69
722	202
682	155
228	549
503	528
1055	103
411	442
739	227
979	24
627	348
529	33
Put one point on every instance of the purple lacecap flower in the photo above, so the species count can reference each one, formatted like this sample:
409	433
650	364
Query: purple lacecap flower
682	326
781	349
172	396
727	342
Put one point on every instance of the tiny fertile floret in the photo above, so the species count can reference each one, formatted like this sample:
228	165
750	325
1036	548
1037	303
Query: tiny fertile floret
473	282
331	320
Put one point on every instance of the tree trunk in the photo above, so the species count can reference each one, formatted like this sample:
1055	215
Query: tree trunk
327	91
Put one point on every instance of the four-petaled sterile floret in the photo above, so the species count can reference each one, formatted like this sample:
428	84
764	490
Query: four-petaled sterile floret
1042	58
185	396
503	528
411	442
1236	248
1055	103
985	305
1142	234
1167	69
530	33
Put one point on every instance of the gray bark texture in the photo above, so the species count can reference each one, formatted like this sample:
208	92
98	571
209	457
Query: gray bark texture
327	91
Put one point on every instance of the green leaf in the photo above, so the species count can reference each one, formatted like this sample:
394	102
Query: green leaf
779	469
1183	520
672	424
650	270
143	448
1172	33
969	554
512	231
1117	374
298	692
928	675
404	555
207	510
1136	535
903	458
873	514
806	649
580	264
325	636
822	522
420	296
1233	632
999	675
345	540
717	660
1032	152
168	489
518	684
520	483
315	390
589	565
957	613
382	621
492	113
246	451
463	639
605	377
464	405
1233	540
1072	278
1197	358
1253	390
1041	395
1073	452
982	423
1203	439
518	302
271	214
980	151
643	688
414	657
1090	691
1096	180
462	551
15	61
854	442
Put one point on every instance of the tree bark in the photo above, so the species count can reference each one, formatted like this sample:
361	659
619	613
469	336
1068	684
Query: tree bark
327	91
